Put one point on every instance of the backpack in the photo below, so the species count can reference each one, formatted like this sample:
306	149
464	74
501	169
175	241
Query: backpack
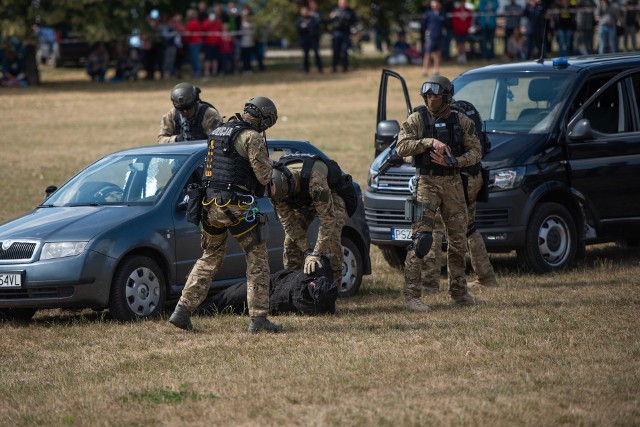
470	111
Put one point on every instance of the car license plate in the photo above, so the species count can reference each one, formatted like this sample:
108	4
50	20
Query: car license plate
401	234
10	280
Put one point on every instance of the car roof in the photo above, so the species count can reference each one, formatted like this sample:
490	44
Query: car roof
575	64
193	147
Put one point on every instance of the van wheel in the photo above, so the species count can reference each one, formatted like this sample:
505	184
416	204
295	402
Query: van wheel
551	240
351	268
394	256
137	290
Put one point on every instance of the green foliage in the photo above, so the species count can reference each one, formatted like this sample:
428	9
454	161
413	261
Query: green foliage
91	19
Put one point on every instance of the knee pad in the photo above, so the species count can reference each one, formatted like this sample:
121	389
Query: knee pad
422	244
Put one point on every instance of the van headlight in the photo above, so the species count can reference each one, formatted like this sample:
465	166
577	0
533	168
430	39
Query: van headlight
62	249
506	179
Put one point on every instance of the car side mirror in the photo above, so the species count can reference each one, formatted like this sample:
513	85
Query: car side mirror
581	131
49	191
386	133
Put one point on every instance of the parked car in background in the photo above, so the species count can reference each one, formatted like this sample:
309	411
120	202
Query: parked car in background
116	237
564	164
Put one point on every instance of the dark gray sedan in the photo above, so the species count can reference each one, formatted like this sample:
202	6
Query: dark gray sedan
115	236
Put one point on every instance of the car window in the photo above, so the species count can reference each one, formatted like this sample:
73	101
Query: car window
635	81
514	103
119	179
607	113
276	153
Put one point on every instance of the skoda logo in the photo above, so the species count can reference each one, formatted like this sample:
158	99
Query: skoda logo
412	184
6	244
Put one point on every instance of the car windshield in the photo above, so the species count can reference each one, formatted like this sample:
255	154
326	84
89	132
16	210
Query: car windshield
514	102
119	179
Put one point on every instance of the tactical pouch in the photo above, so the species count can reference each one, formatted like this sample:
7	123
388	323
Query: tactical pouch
413	210
263	228
194	206
483	194
422	244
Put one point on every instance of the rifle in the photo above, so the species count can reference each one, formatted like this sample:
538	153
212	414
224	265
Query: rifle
392	160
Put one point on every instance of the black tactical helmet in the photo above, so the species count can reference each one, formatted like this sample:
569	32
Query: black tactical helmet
184	96
438	85
264	109
280	182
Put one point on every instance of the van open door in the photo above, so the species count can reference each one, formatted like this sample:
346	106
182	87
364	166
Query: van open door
394	106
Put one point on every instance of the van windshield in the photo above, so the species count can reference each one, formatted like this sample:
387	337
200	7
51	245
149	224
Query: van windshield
514	102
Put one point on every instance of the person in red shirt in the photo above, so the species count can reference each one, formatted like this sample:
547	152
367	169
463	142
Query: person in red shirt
227	51
194	41
212	27
461	21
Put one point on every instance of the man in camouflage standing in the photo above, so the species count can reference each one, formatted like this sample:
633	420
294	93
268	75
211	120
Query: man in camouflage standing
237	168
190	119
301	190
436	136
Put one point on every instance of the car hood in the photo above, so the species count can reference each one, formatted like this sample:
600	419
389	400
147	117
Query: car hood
509	150
81	223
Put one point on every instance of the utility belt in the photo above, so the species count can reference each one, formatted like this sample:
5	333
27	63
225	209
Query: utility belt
472	170
226	196
440	172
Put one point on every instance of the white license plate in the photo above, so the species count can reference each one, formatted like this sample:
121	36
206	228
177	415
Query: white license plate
401	234
13	280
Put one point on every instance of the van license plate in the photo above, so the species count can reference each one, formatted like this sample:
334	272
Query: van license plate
401	234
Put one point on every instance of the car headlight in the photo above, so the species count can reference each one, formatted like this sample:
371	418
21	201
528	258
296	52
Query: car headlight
506	179
62	249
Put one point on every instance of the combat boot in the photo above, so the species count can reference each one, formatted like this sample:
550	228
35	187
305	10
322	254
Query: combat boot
463	300
181	318
416	304
490	282
263	324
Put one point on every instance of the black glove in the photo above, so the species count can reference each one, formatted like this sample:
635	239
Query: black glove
179	138
396	160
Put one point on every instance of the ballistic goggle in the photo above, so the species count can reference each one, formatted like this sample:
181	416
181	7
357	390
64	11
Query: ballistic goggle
430	87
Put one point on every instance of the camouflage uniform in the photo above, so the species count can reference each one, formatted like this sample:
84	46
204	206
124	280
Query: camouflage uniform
168	135
477	249
439	192
249	144
330	209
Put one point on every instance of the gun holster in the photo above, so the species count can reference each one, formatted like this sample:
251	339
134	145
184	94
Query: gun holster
413	209
263	228
194	206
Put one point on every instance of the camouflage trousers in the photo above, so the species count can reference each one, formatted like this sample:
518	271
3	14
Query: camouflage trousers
214	249
477	250
295	245
446	194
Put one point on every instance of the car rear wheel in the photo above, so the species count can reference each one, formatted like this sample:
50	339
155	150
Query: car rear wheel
551	240
138	289
394	255
351	268
19	314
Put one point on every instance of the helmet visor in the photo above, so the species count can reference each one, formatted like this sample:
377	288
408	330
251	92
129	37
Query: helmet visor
431	88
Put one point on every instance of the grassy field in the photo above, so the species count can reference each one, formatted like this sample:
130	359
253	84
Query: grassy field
558	349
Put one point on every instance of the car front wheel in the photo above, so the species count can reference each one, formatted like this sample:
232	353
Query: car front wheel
551	240
351	268
138	289
394	255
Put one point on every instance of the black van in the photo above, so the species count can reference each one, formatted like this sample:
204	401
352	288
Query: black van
564	164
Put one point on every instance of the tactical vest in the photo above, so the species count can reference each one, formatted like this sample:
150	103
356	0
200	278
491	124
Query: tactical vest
225	169
303	198
194	130
449	132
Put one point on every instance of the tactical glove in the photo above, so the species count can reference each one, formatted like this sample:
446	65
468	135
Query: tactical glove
311	263
179	138
396	160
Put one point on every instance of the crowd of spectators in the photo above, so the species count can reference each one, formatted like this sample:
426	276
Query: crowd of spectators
221	39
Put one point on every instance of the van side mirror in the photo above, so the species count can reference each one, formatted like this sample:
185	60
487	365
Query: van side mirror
581	131
386	133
